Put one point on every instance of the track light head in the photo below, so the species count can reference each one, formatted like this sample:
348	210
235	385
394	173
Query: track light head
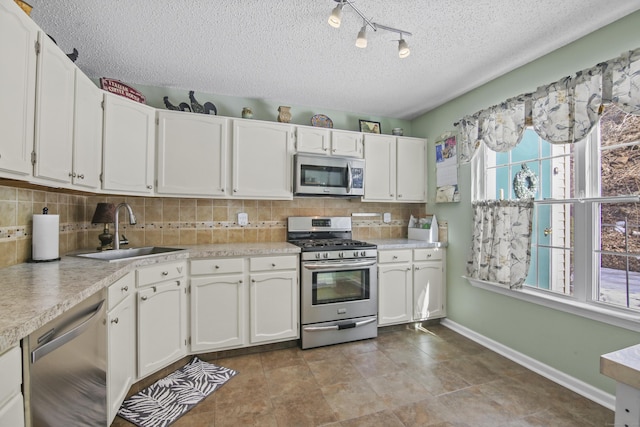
336	16
361	41
403	48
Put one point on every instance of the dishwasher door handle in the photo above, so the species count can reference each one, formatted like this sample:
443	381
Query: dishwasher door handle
47	348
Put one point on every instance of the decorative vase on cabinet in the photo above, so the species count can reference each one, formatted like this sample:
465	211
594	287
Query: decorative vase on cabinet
284	115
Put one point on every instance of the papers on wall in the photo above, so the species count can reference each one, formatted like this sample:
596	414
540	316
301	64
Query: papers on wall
447	170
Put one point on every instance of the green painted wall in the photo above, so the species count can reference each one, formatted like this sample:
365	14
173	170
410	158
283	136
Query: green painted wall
566	342
230	106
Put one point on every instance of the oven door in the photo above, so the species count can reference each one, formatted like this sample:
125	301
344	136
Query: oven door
335	290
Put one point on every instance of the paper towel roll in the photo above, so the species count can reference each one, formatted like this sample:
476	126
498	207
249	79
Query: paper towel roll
46	231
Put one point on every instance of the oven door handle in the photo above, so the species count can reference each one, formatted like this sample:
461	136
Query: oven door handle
339	265
339	327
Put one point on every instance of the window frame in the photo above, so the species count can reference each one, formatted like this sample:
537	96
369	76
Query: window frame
584	300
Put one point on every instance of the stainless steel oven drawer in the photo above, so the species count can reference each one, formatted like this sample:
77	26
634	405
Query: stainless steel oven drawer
327	333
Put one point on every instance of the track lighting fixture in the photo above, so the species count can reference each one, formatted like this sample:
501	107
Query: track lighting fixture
336	18
361	41
403	48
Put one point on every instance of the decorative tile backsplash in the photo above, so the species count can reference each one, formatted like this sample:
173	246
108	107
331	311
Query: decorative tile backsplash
180	221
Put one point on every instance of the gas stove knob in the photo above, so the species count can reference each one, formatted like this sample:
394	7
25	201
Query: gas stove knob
363	253
318	255
341	255
355	253
325	255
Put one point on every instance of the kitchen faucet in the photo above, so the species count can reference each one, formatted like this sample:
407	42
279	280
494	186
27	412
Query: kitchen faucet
116	226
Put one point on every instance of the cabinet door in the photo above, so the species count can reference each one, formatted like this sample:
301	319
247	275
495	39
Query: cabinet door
345	143
273	306
128	139
162	331
54	113
262	160
122	353
192	154
217	312
394	294
18	36
12	412
87	133
312	140
428	290
380	173
411	168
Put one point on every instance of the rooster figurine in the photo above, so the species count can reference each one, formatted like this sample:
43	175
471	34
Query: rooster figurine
183	106
196	107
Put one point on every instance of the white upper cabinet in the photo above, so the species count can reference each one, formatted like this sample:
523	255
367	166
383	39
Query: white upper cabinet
380	172
54	113
327	141
127	146
192	154
87	133
400	168
262	160
345	143
411	182
18	36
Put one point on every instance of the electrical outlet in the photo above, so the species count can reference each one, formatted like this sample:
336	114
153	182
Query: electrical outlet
243	219
386	217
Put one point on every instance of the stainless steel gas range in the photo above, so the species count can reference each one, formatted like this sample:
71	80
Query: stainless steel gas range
338	280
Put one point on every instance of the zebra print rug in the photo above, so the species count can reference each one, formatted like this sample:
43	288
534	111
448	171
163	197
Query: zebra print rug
166	400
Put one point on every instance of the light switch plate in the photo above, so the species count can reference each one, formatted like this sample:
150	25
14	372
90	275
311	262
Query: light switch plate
386	217
243	219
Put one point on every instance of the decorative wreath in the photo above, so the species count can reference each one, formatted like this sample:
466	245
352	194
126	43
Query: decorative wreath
525	183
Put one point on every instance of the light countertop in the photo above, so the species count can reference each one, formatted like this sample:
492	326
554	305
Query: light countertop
32	294
623	366
404	244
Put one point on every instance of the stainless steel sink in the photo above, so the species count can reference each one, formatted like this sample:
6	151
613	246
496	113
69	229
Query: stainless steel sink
129	253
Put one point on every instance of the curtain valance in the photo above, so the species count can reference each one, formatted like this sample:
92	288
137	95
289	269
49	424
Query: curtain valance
561	112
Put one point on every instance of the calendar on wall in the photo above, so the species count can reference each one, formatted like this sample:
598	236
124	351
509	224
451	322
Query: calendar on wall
447	169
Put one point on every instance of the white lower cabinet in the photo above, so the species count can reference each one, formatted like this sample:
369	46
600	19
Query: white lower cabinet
11	401
411	285
274	303
218	304
121	337
162	316
237	302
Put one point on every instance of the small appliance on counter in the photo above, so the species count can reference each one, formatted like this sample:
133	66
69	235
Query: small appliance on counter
46	235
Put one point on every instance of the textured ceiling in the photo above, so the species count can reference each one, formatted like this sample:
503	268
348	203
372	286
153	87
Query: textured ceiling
284	51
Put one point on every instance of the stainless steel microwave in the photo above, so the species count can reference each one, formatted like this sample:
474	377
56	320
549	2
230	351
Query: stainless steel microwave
328	176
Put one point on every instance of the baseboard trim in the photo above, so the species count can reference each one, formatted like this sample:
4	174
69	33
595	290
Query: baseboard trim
590	392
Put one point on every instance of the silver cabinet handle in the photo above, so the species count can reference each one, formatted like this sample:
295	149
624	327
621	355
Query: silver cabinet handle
124	288
273	264
81	176
217	267
143	298
114	320
72	174
240	282
165	273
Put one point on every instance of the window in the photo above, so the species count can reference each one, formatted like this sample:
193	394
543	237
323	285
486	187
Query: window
581	189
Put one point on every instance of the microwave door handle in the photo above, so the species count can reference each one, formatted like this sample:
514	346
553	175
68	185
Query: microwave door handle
349	178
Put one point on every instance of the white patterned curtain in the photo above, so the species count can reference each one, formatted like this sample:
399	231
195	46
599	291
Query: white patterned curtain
561	112
501	246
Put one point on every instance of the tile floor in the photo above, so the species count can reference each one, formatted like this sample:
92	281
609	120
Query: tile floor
405	377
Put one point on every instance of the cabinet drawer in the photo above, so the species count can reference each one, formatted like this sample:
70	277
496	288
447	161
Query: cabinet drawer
431	254
160	273
272	263
120	289
402	255
217	266
11	373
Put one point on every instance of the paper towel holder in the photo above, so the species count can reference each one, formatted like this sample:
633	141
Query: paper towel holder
105	213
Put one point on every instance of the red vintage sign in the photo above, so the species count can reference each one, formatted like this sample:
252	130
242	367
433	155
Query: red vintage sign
117	87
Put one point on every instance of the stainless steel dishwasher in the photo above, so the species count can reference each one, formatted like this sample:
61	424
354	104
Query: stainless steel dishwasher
66	384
